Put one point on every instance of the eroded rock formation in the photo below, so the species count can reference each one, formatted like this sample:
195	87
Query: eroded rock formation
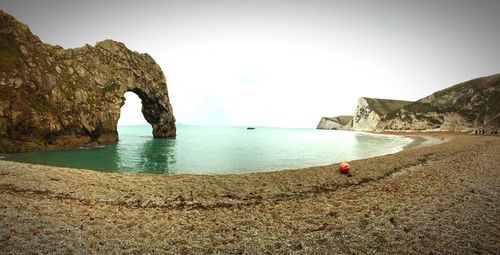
370	111
335	123
53	98
462	107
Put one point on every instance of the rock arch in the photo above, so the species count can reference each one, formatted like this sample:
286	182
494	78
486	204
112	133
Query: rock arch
155	111
53	98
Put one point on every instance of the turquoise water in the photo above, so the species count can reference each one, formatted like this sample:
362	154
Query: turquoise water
214	150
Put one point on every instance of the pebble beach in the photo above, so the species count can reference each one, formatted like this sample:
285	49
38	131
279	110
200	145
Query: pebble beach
442	199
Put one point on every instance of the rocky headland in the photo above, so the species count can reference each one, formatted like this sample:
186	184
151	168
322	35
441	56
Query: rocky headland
56	98
370	112
460	108
463	107
340	122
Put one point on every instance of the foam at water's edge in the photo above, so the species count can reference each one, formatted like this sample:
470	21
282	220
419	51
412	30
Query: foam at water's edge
433	140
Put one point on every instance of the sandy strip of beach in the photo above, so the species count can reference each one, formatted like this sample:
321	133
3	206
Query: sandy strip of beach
437	199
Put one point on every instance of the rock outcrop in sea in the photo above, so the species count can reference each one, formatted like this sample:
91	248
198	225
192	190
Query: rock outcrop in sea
55	98
336	123
463	107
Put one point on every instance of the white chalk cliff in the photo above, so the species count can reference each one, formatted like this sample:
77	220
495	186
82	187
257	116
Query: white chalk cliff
462	107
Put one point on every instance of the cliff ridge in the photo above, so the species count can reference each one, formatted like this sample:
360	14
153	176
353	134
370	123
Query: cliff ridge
463	107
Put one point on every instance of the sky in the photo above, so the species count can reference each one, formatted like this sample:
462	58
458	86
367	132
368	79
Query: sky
282	63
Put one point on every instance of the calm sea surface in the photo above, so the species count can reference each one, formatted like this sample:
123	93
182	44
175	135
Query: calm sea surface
214	150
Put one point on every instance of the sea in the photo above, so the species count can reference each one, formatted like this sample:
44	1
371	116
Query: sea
219	150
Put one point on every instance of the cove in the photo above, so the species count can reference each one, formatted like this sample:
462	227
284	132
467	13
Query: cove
220	150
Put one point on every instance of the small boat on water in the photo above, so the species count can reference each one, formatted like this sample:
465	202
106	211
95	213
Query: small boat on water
250	128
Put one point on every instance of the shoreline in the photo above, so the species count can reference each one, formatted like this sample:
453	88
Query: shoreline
406	202
423	138
429	140
418	140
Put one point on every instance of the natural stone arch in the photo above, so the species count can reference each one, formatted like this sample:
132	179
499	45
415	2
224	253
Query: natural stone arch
52	98
116	71
124	71
155	111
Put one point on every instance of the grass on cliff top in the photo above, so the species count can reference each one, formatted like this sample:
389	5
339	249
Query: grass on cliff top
493	102
9	53
385	106
477	84
342	120
491	107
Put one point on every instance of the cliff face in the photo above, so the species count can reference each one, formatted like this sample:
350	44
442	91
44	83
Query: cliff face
52	97
463	107
370	111
335	123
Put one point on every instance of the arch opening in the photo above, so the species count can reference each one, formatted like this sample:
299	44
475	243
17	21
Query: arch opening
130	112
154	109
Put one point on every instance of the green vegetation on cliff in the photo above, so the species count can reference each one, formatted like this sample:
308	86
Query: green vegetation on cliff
9	53
462	107
53	98
385	106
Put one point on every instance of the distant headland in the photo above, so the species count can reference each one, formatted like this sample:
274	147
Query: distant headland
463	108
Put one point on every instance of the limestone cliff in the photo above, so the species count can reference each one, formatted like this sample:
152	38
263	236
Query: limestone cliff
370	111
335	123
52	97
462	107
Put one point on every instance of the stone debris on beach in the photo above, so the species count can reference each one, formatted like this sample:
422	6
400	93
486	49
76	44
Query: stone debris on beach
437	199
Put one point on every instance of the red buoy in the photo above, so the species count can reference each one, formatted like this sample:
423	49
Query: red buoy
344	167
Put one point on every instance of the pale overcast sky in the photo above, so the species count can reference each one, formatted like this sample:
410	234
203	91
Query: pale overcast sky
282	63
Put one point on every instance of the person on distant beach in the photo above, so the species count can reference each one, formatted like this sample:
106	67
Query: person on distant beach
475	132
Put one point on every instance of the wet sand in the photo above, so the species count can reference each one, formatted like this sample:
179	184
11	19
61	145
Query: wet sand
438	199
